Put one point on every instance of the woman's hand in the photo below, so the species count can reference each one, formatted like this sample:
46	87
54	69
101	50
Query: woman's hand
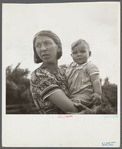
83	109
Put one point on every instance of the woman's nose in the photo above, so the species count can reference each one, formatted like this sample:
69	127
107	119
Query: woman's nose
43	48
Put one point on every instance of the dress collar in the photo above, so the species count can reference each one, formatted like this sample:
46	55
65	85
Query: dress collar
45	68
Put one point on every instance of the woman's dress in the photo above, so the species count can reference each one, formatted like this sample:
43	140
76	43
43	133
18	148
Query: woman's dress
43	83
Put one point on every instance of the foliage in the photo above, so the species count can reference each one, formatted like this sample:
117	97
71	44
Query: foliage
17	85
109	98
11	92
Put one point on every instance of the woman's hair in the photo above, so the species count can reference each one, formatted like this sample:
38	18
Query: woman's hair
80	41
51	35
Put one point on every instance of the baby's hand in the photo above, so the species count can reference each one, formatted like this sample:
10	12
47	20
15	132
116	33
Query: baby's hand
96	98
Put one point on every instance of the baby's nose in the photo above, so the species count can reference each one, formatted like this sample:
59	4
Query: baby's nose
79	53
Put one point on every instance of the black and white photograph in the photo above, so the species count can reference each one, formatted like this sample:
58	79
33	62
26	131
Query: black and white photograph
61	74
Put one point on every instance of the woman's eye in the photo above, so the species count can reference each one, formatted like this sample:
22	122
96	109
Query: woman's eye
47	43
38	45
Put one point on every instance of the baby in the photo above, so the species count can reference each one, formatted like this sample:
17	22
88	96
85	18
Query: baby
83	76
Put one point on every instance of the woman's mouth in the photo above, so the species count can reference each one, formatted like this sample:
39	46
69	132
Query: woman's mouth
45	55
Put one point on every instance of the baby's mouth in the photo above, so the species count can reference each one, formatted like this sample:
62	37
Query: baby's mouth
79	58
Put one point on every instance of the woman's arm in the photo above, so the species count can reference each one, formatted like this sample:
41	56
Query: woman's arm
83	109
43	86
63	102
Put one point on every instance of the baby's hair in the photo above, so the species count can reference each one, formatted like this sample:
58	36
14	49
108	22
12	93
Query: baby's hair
79	41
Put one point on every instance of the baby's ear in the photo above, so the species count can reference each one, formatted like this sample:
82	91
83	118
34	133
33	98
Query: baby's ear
89	53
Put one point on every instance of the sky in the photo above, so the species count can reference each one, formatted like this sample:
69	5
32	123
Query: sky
96	22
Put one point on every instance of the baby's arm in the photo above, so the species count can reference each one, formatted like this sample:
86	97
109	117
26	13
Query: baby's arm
97	87
93	72
96	83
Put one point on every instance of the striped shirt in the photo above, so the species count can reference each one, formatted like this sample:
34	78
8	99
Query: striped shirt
79	82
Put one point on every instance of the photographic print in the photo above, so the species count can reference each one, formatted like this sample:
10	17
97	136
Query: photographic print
61	74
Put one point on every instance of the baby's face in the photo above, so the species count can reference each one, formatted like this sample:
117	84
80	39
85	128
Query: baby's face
80	53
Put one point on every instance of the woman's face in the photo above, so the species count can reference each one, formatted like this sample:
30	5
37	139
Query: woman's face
46	49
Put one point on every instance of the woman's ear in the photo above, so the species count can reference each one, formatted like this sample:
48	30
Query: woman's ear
89	53
58	50
71	54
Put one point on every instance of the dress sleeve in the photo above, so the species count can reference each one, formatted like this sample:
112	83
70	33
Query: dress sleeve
43	84
91	69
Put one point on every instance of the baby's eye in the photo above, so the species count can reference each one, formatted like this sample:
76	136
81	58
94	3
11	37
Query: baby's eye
74	52
83	48
83	51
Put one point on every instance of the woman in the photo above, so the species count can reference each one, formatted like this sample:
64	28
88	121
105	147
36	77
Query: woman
48	83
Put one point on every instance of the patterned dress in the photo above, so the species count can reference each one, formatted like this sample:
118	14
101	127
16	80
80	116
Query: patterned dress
42	84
